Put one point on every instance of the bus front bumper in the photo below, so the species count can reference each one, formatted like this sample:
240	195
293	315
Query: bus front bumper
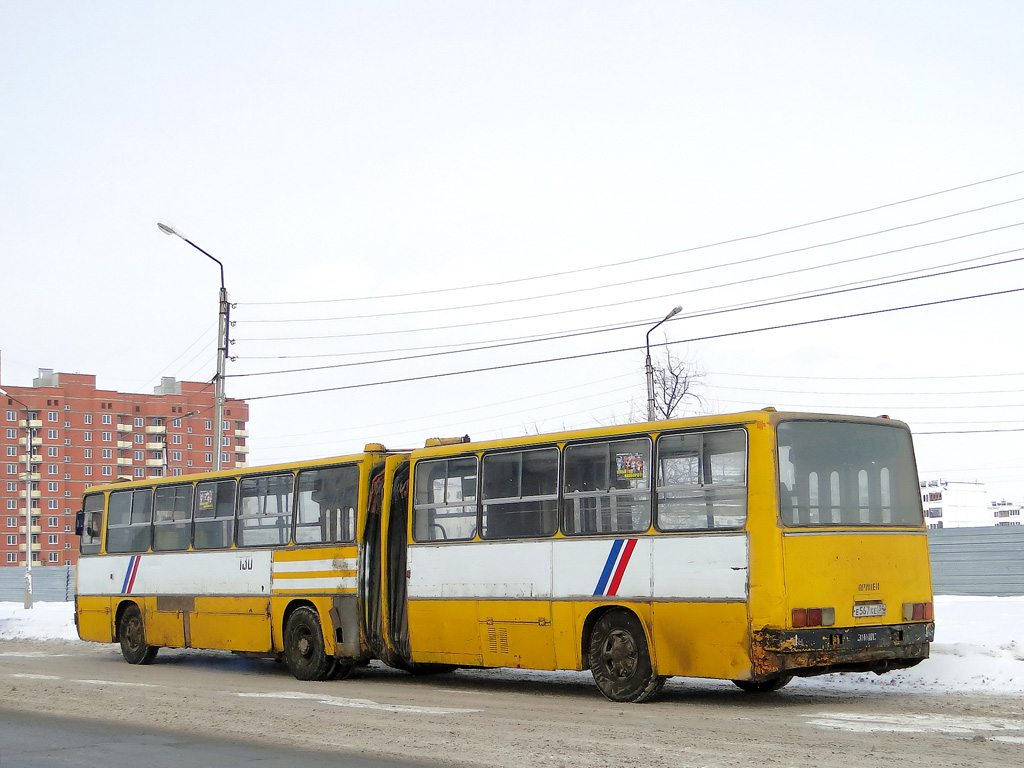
806	652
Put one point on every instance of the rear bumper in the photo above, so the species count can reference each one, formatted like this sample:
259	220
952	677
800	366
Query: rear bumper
805	652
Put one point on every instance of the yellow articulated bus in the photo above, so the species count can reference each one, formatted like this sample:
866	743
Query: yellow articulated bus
751	547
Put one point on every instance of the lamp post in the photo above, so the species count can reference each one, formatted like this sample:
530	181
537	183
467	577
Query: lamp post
650	368
167	460
28	499
222	350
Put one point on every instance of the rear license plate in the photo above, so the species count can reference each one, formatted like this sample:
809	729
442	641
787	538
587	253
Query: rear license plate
860	610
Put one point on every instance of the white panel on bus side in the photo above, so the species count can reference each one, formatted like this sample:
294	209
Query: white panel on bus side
642	567
498	569
230	572
701	567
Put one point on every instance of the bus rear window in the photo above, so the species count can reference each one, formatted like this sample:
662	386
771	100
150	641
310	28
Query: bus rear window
835	473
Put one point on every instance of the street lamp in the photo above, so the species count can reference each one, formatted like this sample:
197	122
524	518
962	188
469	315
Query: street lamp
222	350
650	368
28	499
167	461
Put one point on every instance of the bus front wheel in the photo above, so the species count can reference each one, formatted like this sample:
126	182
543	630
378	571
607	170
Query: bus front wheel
619	658
304	646
132	634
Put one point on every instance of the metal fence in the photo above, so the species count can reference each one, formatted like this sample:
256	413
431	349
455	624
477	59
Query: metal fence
977	561
965	561
50	584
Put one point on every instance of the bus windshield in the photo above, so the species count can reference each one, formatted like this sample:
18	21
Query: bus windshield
839	473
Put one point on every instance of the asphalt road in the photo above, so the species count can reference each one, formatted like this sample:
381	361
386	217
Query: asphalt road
224	710
30	740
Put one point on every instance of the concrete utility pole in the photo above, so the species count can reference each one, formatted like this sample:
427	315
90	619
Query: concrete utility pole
650	368
28	498
222	351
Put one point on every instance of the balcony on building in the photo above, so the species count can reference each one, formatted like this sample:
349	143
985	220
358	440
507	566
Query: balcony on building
33	476
154	462
36	458
241	433
34	423
124	445
124	426
35	548
161	430
35	529
124	462
154	446
241	449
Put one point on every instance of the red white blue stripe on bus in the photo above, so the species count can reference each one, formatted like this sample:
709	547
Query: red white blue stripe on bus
615	567
129	577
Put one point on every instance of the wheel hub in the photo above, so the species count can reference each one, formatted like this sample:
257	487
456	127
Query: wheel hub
620	654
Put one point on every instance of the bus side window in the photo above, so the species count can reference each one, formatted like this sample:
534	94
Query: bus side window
92	528
172	518
607	487
444	505
520	494
702	480
326	509
214	514
265	510
129	514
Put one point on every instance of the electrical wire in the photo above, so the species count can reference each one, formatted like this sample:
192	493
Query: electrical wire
811	293
619	284
634	349
565	336
691	249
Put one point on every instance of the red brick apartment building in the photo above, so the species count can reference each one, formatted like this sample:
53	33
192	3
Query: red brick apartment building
83	436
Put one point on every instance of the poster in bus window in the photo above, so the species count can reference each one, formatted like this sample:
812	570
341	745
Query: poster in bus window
629	466
206	499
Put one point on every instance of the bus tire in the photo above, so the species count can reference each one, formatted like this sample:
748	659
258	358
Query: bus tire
132	634
763	686
304	646
619	658
341	669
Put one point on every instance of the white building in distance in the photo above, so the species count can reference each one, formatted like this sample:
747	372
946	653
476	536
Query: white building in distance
956	504
1006	512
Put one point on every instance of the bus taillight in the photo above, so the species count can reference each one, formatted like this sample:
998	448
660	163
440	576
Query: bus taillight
917	612
814	617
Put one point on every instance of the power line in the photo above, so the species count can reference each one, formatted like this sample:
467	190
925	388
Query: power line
969	432
864	378
622	303
619	284
644	258
774	302
634	349
812	293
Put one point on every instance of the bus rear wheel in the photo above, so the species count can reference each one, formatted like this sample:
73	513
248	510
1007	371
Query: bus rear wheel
132	634
619	659
304	646
763	686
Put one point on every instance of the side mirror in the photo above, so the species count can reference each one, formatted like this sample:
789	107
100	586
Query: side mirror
79	522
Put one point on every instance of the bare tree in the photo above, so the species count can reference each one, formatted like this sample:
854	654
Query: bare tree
675	379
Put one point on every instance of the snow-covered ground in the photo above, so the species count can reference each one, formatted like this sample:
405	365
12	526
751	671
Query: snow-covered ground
978	648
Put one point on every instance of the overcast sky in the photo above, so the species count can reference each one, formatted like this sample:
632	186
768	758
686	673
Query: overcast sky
443	176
